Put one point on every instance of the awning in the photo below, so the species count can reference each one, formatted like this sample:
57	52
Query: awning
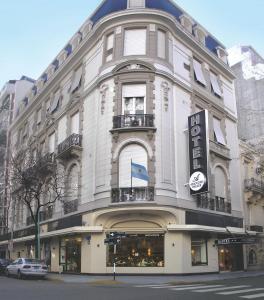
66	231
202	228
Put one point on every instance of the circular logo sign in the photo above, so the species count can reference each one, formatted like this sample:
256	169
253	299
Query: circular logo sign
197	181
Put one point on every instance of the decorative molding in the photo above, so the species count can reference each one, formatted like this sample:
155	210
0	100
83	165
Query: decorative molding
103	90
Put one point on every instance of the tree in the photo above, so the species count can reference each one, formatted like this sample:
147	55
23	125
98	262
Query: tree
37	184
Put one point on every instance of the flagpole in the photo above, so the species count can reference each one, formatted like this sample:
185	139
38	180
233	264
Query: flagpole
131	178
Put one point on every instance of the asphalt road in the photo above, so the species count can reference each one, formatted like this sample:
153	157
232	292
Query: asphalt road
32	289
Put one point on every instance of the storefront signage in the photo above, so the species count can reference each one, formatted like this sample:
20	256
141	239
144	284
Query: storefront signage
198	152
236	241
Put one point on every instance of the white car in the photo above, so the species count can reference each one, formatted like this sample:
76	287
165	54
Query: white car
27	267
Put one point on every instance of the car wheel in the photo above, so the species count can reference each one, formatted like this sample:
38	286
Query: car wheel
19	275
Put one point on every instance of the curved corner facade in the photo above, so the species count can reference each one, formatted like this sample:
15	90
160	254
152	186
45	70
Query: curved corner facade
122	91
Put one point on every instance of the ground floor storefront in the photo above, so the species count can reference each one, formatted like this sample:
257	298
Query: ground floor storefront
148	242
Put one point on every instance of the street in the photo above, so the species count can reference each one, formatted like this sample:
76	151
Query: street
242	288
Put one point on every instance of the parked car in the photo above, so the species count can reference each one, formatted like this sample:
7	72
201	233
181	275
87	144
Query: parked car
3	264
23	267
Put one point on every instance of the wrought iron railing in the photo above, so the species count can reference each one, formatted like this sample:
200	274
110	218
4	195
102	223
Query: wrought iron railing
73	140
137	120
217	204
70	206
133	195
255	185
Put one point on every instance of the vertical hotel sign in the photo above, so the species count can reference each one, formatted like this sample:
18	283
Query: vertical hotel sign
198	152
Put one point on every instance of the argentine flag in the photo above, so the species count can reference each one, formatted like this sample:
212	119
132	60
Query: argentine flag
139	171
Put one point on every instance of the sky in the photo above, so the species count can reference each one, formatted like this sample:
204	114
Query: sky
34	31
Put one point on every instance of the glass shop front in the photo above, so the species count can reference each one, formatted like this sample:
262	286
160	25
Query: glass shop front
138	250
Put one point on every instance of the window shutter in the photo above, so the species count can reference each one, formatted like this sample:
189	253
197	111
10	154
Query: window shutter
199	72
134	90
75	119
161	44
52	143
55	103
135	42
62	129
218	132
77	80
215	85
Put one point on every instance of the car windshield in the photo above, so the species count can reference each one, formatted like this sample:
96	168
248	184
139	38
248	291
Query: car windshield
33	261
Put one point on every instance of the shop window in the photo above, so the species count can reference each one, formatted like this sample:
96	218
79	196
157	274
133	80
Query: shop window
218	133
199	252
109	47
138	250
198	73
215	87
135	42
70	254
161	46
252	257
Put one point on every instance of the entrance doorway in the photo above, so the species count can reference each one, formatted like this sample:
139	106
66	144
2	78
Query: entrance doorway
70	254
230	258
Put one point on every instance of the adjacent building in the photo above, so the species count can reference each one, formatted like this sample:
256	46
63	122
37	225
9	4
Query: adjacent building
121	90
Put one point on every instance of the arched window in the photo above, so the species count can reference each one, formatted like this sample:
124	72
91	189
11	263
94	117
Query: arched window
252	257
220	183
138	155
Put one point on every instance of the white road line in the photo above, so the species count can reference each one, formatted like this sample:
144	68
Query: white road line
253	296
166	285
162	287
241	291
194	287
221	289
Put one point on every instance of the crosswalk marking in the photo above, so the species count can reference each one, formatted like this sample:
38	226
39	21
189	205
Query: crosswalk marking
194	287
253	296
240	291
152	285
162	287
166	285
222	288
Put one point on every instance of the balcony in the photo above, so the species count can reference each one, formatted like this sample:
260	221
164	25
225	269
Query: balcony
138	121
217	204
220	150
254	185
71	147
46	214
70	206
136	194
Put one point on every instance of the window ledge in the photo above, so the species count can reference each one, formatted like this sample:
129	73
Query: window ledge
220	150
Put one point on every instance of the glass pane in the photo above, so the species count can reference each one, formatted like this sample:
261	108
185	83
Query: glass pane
199	252
128	106
139	105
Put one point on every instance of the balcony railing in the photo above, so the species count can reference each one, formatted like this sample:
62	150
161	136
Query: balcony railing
72	142
70	206
133	195
216	204
138	120
254	185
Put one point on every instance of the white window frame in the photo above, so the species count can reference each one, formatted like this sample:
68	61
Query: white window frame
161	40
215	85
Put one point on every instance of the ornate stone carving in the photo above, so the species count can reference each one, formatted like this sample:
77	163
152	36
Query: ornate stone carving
103	90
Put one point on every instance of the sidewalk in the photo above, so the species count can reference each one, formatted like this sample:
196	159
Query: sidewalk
104	280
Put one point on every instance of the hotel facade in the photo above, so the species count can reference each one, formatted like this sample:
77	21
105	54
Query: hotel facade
123	89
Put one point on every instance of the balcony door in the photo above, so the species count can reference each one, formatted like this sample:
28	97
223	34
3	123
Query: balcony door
134	96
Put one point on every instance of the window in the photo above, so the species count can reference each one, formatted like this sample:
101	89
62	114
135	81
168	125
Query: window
252	257
39	117
62	129
77	79
199	252
138	155
135	42
133	96
52	143
220	183
161	44
75	123
138	250
55	103
48	106
109	47
198	73
136	3
215	85
218	133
